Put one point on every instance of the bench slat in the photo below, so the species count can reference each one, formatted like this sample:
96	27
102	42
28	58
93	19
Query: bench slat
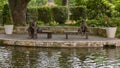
73	32
48	32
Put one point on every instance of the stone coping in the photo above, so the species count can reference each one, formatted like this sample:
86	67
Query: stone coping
57	41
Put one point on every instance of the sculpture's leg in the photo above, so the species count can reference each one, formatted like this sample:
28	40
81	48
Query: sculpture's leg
29	33
35	34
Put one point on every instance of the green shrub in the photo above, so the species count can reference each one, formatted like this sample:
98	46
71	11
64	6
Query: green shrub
116	21
53	23
45	14
41	23
101	22
76	12
32	13
59	14
95	23
92	23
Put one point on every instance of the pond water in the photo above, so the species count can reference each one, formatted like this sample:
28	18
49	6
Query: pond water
34	57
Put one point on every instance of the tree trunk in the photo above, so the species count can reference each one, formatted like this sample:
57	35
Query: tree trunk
18	11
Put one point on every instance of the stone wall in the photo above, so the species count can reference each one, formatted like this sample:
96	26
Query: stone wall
59	30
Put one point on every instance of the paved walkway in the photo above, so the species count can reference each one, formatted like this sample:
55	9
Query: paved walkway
73	41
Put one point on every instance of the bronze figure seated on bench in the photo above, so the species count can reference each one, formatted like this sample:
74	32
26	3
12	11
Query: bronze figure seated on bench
34	29
83	29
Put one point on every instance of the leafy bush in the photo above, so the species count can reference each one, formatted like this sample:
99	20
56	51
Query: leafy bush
76	12
116	21
41	23
32	13
93	23
101	22
53	23
59	14
45	14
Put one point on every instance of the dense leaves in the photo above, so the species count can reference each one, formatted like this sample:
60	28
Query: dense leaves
2	3
59	14
7	19
95	9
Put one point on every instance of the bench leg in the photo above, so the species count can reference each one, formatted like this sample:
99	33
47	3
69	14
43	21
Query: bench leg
66	36
49	35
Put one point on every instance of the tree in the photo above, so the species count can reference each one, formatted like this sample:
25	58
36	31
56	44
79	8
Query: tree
18	11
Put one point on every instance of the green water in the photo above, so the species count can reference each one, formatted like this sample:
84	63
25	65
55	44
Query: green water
34	57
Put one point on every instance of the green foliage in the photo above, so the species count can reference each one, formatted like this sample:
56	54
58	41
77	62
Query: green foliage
118	31
103	22
7	19
80	2
72	3
32	13
115	21
117	4
59	14
36	3
95	11
78	22
45	14
41	23
53	23
109	22
2	3
96	8
95	23
77	12
58	2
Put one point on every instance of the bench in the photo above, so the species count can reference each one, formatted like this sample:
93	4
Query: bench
74	32
34	29
48	32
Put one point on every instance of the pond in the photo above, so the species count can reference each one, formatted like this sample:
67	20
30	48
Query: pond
36	57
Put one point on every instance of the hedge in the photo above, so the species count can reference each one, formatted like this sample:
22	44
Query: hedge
45	14
77	12
32	13
58	14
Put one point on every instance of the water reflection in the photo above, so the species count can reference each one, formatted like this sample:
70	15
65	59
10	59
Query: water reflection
24	57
